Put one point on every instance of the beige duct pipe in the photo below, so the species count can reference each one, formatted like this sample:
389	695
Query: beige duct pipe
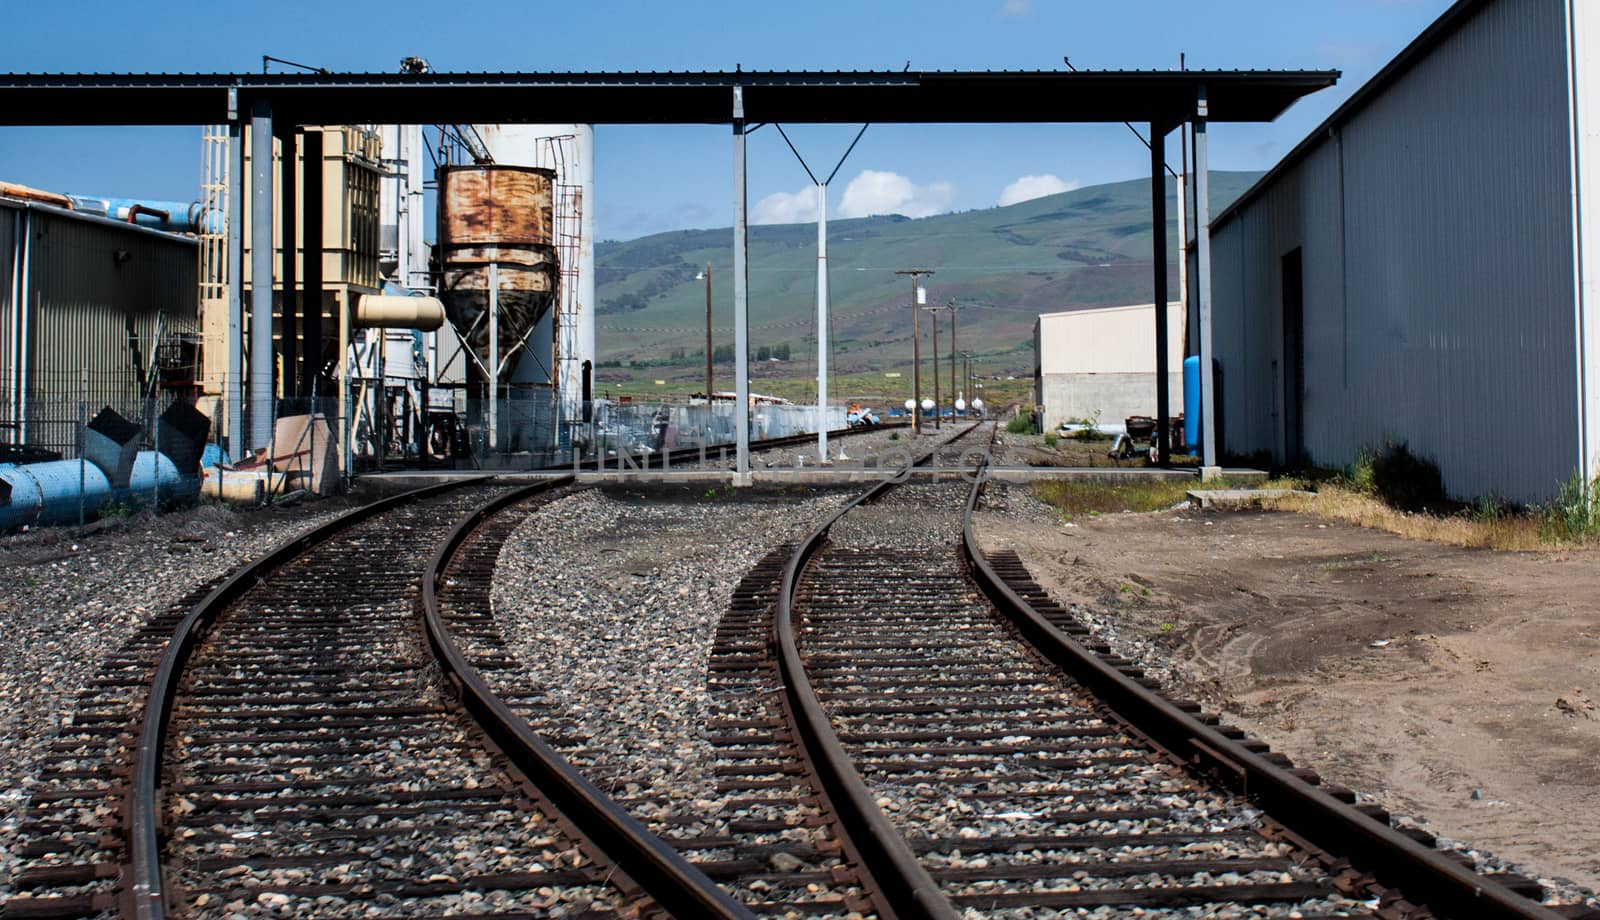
392	311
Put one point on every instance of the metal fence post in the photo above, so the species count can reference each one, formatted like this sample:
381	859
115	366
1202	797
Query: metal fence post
155	486
83	425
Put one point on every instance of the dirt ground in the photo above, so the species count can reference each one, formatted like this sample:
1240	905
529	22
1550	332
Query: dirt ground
1456	686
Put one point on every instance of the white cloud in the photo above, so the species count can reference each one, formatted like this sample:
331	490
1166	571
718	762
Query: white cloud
880	192
786	207
1030	187
1016	7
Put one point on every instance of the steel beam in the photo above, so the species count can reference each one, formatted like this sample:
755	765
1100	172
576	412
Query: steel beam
311	307
1202	204
1158	261
261	360
288	216
233	389
741	298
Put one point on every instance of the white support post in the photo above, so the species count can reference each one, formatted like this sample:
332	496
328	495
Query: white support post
741	299
261	362
822	323
1202	205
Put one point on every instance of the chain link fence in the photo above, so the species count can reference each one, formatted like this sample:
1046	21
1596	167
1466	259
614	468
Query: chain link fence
56	465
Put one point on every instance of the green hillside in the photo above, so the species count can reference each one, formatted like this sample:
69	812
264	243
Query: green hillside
1002	266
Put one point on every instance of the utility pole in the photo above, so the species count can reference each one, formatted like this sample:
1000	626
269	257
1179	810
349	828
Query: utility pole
952	308
933	313
708	346
916	346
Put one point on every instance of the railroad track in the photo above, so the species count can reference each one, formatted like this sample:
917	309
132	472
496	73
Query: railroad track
300	754
901	726
981	760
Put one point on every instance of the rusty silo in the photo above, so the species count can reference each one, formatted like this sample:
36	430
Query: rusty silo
496	220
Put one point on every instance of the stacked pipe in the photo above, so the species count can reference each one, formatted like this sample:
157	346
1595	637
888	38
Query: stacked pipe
111	472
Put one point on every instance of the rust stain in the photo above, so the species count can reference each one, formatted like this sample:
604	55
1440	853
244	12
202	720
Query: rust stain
496	205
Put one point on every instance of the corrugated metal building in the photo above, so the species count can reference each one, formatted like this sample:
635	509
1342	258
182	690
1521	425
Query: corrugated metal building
1100	363
83	296
1423	267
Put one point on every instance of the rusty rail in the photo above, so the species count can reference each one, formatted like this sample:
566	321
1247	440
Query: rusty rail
1421	873
660	871
144	888
903	887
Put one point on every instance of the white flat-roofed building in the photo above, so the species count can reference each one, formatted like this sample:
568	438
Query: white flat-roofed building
1101	363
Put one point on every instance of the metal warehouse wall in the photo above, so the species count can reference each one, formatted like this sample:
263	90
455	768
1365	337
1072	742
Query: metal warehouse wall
94	284
1585	75
1437	234
9	227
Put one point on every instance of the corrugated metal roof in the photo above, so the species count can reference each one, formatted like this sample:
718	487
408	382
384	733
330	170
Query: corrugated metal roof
93	218
670	97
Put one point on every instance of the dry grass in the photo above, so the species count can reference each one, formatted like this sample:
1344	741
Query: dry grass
1086	497
1499	530
1482	529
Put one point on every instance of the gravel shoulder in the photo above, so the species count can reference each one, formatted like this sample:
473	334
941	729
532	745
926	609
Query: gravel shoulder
70	600
610	599
1457	687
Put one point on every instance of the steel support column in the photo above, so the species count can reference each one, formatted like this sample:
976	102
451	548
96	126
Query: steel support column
1202	205
233	385
261	360
822	323
288	219
1158	262
311	188
741	299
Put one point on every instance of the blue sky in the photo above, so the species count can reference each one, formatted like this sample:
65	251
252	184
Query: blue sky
661	178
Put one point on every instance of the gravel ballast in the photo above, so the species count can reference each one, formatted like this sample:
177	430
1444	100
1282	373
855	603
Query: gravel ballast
610	600
70	600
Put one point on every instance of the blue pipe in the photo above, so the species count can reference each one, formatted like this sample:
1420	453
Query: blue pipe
47	493
181	216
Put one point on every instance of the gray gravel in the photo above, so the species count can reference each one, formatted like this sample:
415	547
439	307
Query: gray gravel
70	600
610	600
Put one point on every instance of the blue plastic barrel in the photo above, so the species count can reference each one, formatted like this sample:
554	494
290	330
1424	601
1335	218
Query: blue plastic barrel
1191	403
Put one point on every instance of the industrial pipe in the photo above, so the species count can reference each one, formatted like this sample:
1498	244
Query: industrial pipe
48	493
28	193
390	311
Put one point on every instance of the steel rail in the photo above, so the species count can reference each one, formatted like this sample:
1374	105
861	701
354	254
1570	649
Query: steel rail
693	454
1421	873
144	888
902	884
659	870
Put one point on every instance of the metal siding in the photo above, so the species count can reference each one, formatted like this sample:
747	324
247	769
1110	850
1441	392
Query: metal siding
8	264
1457	272
80	317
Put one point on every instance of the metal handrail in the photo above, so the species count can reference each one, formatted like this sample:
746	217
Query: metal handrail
1421	873
672	881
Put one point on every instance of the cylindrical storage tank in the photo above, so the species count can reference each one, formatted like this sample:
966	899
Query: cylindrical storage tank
502	216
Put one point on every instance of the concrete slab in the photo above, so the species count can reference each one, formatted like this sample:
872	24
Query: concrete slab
1224	499
837	475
